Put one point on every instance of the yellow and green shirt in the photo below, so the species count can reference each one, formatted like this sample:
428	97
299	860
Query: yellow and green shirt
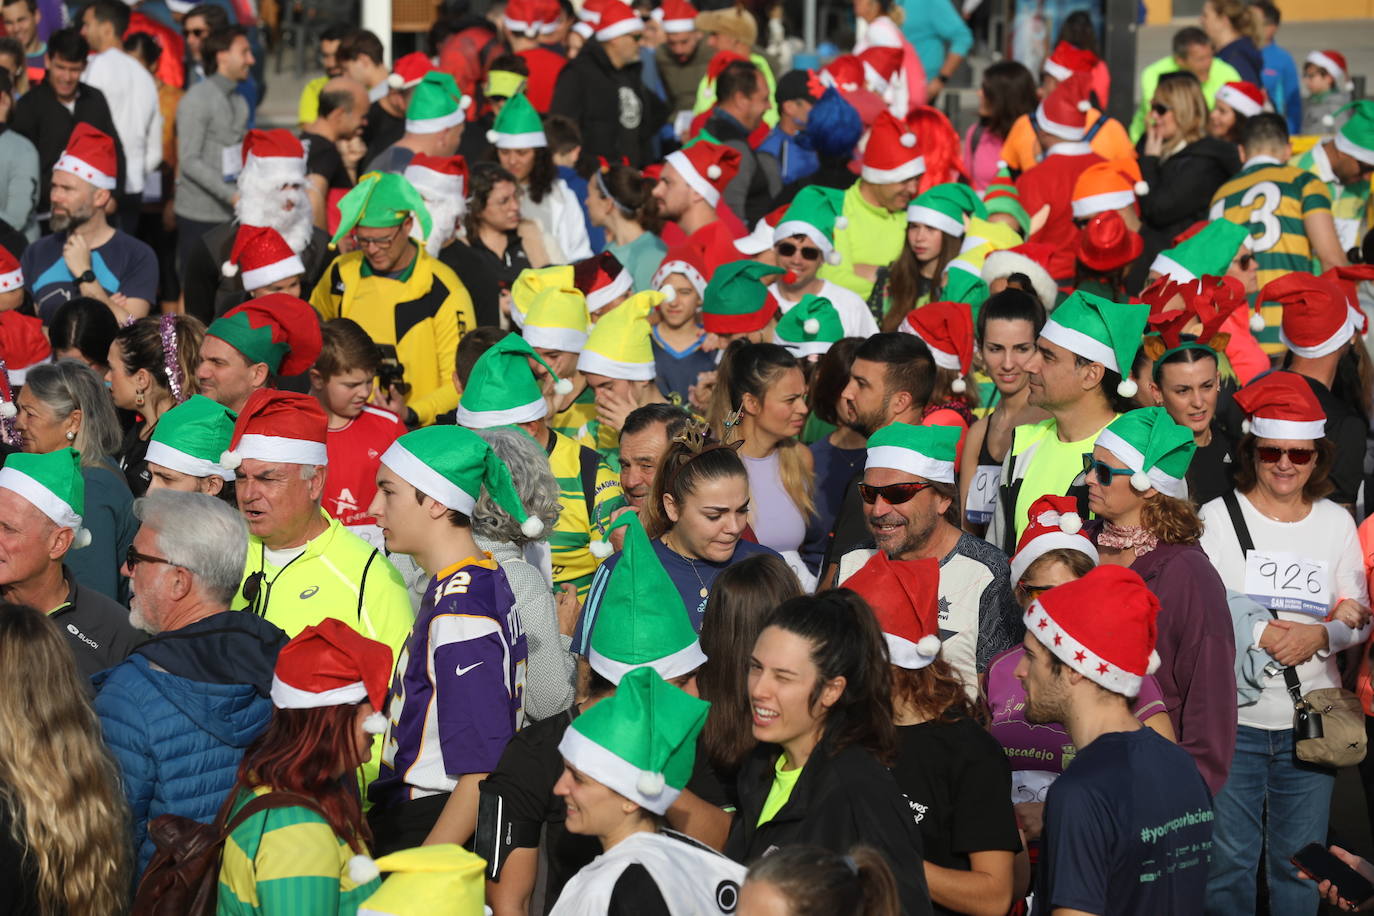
287	861
578	468
579	422
1350	203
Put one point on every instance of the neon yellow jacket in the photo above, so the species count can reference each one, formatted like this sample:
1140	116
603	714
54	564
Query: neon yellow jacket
874	236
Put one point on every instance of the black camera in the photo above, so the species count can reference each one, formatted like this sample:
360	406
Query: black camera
390	373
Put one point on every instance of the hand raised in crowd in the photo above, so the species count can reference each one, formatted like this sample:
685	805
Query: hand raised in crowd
76	253
389	399
612	408
699	395
1331	894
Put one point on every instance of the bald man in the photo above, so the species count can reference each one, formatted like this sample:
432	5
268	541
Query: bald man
342	112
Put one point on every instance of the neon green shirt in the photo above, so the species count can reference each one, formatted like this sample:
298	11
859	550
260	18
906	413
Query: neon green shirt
1220	74
1053	466
874	236
784	781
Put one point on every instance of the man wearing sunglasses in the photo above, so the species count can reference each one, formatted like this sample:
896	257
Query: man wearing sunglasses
803	240
909	497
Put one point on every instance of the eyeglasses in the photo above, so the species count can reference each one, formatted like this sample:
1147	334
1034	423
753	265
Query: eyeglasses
1160	108
894	493
1270	454
1032	589
1103	471
788	249
133	558
197	33
1245	261
376	244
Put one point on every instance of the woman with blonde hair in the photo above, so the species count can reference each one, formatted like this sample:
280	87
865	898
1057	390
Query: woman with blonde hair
1182	165
64	826
1233	26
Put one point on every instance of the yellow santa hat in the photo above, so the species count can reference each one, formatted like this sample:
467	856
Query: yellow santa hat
531	282
619	345
440	880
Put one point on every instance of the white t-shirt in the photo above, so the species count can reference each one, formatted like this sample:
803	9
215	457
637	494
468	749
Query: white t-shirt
132	96
855	317
1327	534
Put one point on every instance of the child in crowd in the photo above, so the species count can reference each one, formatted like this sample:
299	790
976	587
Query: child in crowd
1327	81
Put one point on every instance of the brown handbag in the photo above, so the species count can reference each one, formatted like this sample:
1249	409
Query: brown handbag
183	877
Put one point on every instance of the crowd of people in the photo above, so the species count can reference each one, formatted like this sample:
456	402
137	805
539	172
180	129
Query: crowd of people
588	468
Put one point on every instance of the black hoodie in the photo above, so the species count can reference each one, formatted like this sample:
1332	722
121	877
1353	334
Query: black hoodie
618	116
1181	189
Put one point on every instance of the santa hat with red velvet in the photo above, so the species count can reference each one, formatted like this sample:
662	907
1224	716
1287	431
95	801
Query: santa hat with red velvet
677	16
905	597
11	275
1114	651
706	167
263	256
281	427
525	17
274	156
1348	280
602	279
1246	98
438	176
332	664
1030	259
1316	319
845	73
1066	60
684	260
409	69
947	329
1054	525
23	345
1332	62
1064	112
880	65
90	156
1105	186
1281	405
891	155
617	19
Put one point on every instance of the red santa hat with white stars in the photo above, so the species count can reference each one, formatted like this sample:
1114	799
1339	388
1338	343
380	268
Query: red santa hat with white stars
11	276
1113	650
90	156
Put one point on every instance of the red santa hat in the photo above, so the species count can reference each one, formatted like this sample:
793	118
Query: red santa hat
905	597
761	239
332	664
706	167
891	155
1114	651
277	329
677	16
601	279
684	260
880	65
1054	525
523	17
90	156
276	156
263	256
947	329
1107	243
1332	62
438	176
1064	112
1105	186
281	427
1066	60
617	19
1348	280
22	344
1031	259
11	275
1316	319
1281	405
1246	98
409	69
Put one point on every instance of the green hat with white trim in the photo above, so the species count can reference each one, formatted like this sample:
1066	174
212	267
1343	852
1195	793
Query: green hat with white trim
557	320
636	623
619	345
926	451
640	742
451	465
945	206
816	213
1100	330
737	300
963	283
435	104
810	327
518	126
52	482
1154	447
191	437
380	200
1356	136
502	389
1206	253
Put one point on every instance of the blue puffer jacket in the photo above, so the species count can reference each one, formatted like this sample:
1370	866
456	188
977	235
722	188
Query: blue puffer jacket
179	712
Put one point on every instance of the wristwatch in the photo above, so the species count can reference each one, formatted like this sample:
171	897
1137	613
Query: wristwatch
88	276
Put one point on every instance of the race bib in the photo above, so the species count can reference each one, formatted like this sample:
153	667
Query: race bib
231	162
982	494
1284	581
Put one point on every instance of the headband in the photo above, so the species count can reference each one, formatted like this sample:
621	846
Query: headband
167	327
606	192
1158	366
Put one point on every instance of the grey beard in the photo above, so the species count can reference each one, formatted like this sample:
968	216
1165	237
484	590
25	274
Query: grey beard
263	207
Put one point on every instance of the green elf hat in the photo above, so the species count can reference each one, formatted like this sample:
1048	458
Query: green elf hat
1154	447
737	300
810	327
1002	197
816	213
518	126
1206	253
378	201
619	345
945	207
52	483
557	320
436	104
278	329
1103	331
1356	136
640	742
191	437
964	283
450	465
502	389
439	880
926	451
636	623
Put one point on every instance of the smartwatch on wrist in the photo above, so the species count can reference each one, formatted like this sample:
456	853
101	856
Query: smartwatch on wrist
87	276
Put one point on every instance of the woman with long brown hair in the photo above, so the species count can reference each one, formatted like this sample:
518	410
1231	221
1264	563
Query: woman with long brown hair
934	235
329	691
953	773
621	201
64	826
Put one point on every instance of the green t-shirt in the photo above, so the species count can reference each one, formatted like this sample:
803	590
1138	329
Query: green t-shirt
1053	466
784	781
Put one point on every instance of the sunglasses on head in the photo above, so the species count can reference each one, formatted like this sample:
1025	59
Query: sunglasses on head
894	494
1271	454
788	249
1160	108
1102	471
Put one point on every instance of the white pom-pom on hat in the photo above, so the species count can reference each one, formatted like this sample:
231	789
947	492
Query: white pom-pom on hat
562	386
1141	188
650	785
375	724
1328	120
959	386
1245	425
229	269
1083	105
669	292
1256	322
601	549
841	222
1070	523
533	526
1001	164
832	257
811	325
1154	662
1140	481
363	869
492	136
908	140
229	459
928	645
396	81
81	538
8	410
1127	388
713	171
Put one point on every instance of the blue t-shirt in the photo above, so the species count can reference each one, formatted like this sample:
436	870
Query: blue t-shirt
691	577
122	265
677	370
1128	831
835	468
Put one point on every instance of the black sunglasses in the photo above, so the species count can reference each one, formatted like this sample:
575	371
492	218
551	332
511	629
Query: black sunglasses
894	493
1103	471
1271	454
132	558
1160	108
1245	261
787	249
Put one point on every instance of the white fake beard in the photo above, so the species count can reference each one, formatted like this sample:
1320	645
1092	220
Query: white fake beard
261	205
444	214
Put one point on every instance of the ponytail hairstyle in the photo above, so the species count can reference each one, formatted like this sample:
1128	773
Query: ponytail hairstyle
751	369
167	347
847	642
818	882
692	459
631	194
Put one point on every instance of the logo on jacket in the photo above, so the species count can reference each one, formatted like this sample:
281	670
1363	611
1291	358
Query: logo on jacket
727	896
631	108
310	592
71	628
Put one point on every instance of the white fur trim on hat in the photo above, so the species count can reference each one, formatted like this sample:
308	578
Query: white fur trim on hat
435	125
675	664
42	499
1007	262
259	277
550	338
619	286
285	696
696	181
1054	129
1077	342
281	450
597	364
1326	347
160	453
427	480
617	773
911	461
1143	478
534	139
912	168
913	656
788	228
1078	656
926	216
486	419
1094	204
1266	428
1051	540
85	171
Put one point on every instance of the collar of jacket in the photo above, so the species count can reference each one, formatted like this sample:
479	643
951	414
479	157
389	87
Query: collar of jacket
315	547
222	82
724	126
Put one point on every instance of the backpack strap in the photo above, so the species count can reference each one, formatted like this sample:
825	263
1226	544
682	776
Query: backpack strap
262	803
362	582
1232	502
589	461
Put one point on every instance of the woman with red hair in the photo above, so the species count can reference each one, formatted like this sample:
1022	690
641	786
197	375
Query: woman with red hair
939	143
298	854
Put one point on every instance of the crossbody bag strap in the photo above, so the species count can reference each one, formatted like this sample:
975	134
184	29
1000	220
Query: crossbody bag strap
1232	502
